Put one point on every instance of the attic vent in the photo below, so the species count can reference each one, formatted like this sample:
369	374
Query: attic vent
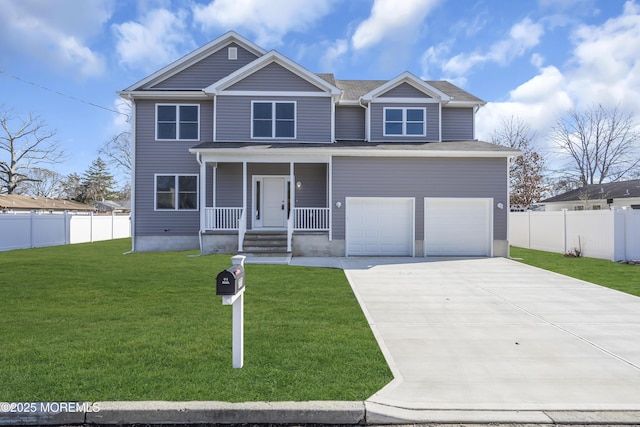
233	53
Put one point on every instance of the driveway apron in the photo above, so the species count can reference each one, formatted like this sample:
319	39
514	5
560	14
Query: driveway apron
494	334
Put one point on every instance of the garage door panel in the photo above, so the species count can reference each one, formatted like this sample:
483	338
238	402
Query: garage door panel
380	226
458	227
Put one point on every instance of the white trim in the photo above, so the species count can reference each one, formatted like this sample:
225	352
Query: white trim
134	113
330	196
404	122
333	122
311	154
274	119
215	118
194	94
197	55
412	247
439	122
405	101
274	93
232	53
177	107
177	192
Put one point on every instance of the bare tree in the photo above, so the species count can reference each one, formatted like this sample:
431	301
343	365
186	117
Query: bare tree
24	145
526	171
119	152
43	183
602	144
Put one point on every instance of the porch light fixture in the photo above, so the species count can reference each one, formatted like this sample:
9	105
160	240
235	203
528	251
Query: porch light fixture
338	205
298	185
500	206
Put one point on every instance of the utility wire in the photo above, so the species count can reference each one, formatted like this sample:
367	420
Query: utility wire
61	94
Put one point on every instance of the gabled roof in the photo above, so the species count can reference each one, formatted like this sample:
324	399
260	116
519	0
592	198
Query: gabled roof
19	202
269	58
197	55
412	80
610	190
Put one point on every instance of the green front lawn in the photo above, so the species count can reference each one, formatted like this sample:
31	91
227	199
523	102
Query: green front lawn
84	322
623	277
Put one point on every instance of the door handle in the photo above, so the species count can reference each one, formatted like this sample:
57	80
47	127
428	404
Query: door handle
282	207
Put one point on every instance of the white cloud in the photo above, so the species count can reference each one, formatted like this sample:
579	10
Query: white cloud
269	20
604	68
606	60
333	54
523	36
159	38
52	32
391	19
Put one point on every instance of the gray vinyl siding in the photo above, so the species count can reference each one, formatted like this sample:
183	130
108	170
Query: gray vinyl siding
229	185
313	177
313	118
274	77
377	123
419	178
457	124
208	70
350	123
163	157
405	90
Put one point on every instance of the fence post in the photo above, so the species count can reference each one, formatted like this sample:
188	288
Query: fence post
32	218
91	227
564	231
529	229
113	224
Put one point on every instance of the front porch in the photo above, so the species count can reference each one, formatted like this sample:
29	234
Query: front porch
242	200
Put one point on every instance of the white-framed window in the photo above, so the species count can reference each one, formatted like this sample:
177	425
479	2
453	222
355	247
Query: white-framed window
176	122
176	192
405	121
273	119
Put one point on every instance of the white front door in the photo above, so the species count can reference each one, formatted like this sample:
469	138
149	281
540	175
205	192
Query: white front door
274	212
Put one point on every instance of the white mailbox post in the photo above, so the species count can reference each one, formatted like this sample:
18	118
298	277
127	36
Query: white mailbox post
237	302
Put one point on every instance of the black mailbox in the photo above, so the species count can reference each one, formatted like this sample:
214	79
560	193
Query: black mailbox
230	281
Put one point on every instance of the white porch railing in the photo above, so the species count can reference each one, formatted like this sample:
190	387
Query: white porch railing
311	219
222	218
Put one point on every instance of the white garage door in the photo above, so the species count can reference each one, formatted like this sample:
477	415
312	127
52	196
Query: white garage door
380	226
458	227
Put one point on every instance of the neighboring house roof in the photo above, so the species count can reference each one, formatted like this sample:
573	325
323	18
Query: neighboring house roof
114	205
610	190
429	149
18	202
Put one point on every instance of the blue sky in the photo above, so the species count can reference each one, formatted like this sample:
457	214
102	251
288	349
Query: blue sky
534	59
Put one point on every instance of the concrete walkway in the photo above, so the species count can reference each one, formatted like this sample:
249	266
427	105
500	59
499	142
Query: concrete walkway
483	335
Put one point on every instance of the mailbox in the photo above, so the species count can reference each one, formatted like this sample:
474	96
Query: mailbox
230	281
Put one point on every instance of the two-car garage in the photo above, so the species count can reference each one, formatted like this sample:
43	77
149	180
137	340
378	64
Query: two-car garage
386	226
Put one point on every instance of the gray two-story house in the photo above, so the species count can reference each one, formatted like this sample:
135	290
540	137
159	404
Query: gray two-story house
242	150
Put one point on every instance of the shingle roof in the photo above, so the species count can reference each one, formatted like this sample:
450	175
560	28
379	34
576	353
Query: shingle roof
354	89
18	202
610	190
364	147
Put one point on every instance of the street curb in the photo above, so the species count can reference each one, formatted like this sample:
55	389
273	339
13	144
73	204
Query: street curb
162	412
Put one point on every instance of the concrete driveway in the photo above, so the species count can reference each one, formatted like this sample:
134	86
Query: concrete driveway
497	335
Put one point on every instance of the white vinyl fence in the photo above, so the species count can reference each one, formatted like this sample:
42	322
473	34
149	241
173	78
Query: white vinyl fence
33	230
607	234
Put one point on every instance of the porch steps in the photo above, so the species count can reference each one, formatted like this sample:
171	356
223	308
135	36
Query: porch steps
265	243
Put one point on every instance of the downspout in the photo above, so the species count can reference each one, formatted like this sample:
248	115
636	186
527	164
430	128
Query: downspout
367	120
132	213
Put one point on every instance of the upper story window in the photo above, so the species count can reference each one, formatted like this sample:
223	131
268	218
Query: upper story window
176	192
177	122
273	119
404	121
